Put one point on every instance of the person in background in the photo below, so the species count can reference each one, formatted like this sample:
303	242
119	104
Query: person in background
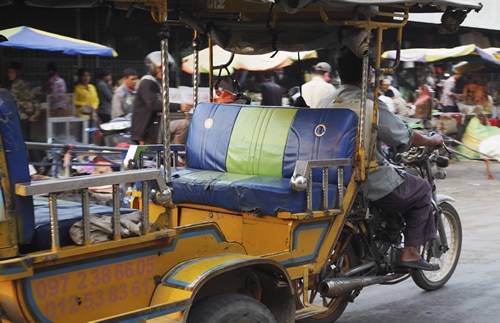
24	96
271	92
104	88
86	98
387	100
386	84
400	107
410	104
449	98
423	103
148	105
319	86
475	92
123	98
55	86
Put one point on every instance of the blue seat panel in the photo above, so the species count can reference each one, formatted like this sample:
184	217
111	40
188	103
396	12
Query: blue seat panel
17	165
336	140
260	195
209	135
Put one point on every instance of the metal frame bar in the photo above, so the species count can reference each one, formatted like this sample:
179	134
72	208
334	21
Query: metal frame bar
54	222
86	217
77	183
305	167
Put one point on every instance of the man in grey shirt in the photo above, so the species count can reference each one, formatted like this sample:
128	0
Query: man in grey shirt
124	96
388	187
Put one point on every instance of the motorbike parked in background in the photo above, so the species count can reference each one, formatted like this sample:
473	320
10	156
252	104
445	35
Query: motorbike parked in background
115	132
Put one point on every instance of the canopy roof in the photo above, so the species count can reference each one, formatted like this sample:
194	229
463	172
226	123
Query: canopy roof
262	26
289	5
31	38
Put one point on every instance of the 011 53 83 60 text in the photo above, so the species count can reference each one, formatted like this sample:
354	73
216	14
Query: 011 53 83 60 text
91	288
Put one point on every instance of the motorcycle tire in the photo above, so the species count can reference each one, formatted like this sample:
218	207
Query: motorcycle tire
432	280
335	306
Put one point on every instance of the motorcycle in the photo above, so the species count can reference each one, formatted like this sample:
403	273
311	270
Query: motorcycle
115	132
371	244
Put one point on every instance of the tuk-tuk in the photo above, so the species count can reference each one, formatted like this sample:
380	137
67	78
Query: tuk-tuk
263	223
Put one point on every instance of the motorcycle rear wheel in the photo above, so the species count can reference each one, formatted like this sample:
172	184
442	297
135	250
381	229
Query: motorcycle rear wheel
432	280
334	307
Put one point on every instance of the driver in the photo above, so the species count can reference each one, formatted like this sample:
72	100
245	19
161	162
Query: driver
389	187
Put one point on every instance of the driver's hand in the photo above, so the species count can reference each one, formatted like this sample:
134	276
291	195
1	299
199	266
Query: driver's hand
436	140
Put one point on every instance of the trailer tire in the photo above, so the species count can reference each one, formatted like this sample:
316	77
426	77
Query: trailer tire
230	307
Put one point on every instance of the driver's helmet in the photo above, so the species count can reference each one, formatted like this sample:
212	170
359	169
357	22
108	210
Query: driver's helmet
152	61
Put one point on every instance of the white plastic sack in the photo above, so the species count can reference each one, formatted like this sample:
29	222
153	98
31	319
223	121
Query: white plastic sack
491	146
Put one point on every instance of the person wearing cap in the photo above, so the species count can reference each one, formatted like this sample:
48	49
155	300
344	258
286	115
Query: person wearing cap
387	100
123	98
449	97
386	84
319	86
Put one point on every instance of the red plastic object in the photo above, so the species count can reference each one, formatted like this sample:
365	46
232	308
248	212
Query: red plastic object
458	117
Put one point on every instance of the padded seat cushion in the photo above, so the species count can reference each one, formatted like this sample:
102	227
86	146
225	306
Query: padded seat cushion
261	195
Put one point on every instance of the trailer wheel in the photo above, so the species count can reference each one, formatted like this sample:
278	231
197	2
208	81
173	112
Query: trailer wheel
230	307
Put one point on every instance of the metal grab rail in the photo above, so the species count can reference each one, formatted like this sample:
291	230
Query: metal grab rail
52	187
302	179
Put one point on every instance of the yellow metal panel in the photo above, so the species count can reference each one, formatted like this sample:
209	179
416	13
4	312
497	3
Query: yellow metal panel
8	239
264	234
93	291
230	224
104	283
154	209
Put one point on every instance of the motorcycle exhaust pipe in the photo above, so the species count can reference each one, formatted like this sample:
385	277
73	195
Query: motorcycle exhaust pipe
334	287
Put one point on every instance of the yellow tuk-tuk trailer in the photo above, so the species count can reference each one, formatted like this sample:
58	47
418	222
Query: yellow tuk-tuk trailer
253	225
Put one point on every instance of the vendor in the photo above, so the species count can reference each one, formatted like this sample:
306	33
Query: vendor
475	92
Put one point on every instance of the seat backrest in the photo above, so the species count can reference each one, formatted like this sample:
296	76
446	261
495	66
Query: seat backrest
355	105
17	165
267	141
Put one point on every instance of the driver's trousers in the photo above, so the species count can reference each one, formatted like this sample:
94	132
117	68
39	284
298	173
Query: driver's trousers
412	198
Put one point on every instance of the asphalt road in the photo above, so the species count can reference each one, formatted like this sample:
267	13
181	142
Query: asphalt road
473	292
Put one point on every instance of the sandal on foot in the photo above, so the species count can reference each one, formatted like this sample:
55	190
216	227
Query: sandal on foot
420	264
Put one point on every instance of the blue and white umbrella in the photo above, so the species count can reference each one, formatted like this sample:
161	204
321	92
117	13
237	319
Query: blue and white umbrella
31	38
